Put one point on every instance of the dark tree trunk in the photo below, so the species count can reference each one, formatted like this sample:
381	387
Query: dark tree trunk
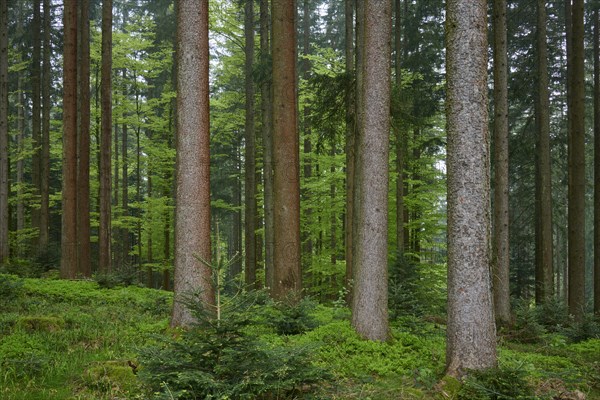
68	268
544	252
36	112
500	237
104	239
597	160
576	196
83	170
250	210
4	185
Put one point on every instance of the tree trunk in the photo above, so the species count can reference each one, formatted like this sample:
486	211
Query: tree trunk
544	252
500	244
306	128
68	268
36	112
597	160
192	207
267	136
20	164
45	149
104	239
4	185
471	332
369	305
576	196
250	210
124	186
286	190
349	147
398	132
83	171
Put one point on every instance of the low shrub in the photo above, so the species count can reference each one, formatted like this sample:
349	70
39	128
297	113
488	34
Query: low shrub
497	384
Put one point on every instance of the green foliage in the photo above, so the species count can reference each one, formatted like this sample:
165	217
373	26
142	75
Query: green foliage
11	289
292	317
405	292
497	384
112	378
587	328
218	359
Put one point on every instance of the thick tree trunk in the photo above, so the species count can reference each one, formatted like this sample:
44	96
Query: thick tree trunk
68	267
45	150
544	275
369	302
267	136
104	239
471	332
83	170
349	147
250	210
576	196
597	161
192	212
307	132
500	244
286	191
4	185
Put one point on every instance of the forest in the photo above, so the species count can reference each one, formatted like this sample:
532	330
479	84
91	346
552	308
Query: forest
310	199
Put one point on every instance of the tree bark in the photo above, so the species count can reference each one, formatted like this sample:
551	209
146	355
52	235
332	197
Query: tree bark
597	160
192	209
576	156
369	305
286	179
267	136
105	235
500	244
544	246
36	113
349	147
45	143
83	171
400	148
68	268
250	210
471	333
4	185
125	245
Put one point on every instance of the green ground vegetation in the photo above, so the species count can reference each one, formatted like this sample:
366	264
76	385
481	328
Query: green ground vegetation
78	340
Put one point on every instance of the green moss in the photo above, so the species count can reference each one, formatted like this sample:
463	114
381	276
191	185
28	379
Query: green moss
111	377
40	323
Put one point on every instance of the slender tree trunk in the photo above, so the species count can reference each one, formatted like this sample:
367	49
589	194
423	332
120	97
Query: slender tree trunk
4	184
236	267
576	196
68	267
286	200
597	160
307	132
36	112
104	239
83	171
45	150
125	245
544	251
471	333
500	244
267	135
398	131
250	210
349	147
192	212
20	164
370	307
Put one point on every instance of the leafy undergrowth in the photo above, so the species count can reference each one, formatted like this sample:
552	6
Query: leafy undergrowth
75	340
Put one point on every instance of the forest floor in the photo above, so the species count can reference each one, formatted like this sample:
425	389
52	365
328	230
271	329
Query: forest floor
75	340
